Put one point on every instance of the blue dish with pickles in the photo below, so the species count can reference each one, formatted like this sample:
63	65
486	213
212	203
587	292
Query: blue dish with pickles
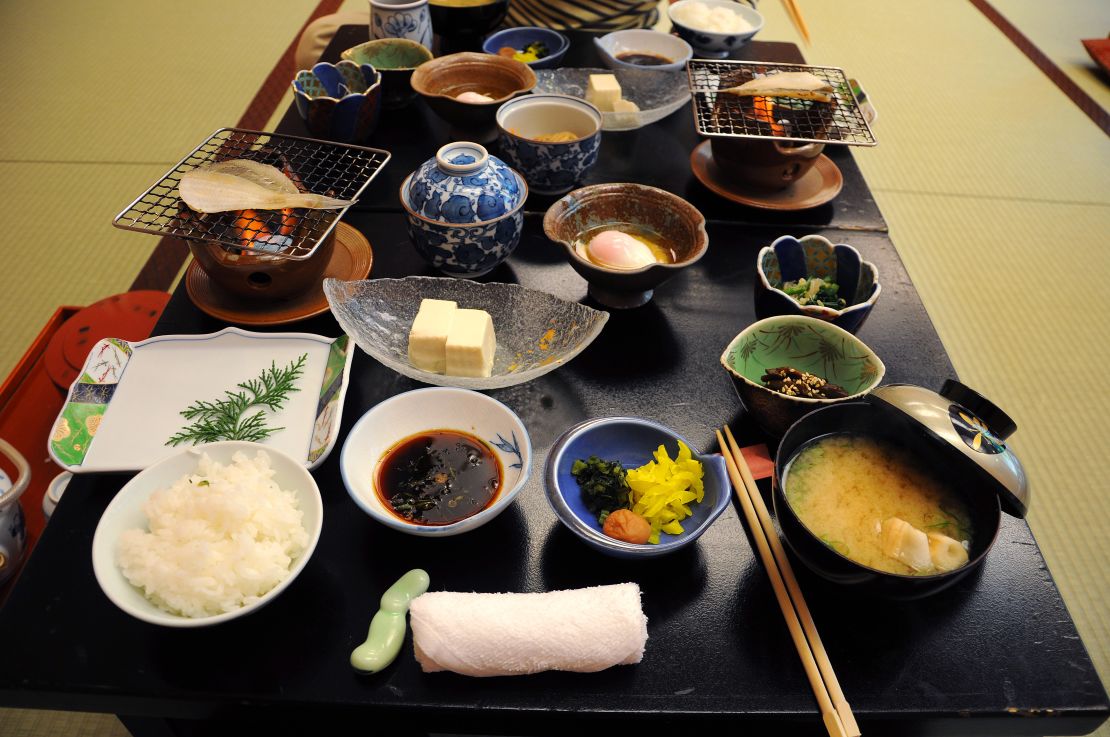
632	441
339	102
464	209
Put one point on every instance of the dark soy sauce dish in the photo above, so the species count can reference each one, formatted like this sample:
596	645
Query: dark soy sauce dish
643	58
438	477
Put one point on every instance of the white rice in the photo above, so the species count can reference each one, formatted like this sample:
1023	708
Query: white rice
219	538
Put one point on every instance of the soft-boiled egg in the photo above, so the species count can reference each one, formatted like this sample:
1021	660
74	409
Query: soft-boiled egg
469	96
619	250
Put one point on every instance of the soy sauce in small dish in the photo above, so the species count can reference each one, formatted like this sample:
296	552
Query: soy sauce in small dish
438	477
643	58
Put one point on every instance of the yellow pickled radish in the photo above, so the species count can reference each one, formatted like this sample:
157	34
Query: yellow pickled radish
662	489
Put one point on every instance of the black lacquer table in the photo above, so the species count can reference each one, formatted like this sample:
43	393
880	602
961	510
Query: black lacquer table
996	654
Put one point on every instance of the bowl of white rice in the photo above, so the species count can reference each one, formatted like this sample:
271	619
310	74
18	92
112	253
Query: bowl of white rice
207	535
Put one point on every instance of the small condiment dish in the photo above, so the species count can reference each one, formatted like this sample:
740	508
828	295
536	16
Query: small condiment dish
125	512
518	38
339	102
632	441
806	344
678	223
714	44
422	410
812	256
642	41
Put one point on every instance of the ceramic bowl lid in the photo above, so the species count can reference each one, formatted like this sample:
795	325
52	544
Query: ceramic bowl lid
974	428
463	184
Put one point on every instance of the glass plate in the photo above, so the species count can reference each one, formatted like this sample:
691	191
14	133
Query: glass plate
657	94
536	332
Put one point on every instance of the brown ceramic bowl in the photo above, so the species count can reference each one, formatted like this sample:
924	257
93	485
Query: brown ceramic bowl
678	223
440	80
257	275
763	163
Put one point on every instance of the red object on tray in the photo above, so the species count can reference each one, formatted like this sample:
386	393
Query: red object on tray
31	396
1099	49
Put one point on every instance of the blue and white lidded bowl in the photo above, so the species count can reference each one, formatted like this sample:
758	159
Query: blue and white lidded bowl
464	210
463	184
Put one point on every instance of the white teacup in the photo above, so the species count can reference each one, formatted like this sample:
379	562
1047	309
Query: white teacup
401	19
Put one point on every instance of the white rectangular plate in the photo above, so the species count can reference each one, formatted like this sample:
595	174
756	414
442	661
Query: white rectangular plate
127	402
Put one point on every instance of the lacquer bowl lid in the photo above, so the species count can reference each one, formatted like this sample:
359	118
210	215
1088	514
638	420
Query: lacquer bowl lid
976	431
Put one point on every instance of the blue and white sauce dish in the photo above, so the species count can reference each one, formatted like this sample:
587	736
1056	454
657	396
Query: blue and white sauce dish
464	210
713	44
550	167
789	259
339	102
632	441
425	410
667	53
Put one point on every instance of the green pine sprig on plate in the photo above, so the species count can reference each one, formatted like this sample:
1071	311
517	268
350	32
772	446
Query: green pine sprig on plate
227	418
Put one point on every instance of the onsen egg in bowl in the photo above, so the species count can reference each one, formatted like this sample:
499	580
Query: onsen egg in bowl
186	520
536	332
436	462
626	239
899	494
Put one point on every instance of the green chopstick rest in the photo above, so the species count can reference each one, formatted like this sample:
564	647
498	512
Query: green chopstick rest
387	628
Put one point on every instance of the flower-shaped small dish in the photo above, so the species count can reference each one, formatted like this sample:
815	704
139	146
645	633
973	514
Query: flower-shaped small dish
632	441
709	43
675	222
464	210
395	59
126	512
523	36
642	48
550	167
339	102
789	259
536	332
657	94
423	410
806	344
442	80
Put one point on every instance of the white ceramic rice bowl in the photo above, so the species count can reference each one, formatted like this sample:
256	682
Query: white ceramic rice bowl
125	513
435	408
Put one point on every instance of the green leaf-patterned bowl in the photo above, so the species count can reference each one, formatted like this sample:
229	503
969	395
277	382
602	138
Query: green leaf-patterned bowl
804	343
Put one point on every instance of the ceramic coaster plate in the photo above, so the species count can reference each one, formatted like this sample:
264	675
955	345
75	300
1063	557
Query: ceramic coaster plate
819	185
127	402
351	259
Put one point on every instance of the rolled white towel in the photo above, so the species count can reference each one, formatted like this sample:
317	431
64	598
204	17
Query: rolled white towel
582	630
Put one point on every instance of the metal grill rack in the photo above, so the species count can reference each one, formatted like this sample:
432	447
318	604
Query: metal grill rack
333	169
724	115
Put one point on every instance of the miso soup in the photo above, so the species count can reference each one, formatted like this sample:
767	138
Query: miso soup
872	502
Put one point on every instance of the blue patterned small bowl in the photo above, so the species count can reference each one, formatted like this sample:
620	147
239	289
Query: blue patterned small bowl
464	210
549	167
712	44
789	259
339	102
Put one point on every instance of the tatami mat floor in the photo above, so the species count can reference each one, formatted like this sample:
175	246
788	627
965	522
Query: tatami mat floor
994	185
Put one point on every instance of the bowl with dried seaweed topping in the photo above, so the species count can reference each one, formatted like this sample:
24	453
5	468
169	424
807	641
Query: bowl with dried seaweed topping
633	488
814	277
785	367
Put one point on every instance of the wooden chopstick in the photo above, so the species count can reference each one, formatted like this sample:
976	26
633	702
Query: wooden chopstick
835	711
796	18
